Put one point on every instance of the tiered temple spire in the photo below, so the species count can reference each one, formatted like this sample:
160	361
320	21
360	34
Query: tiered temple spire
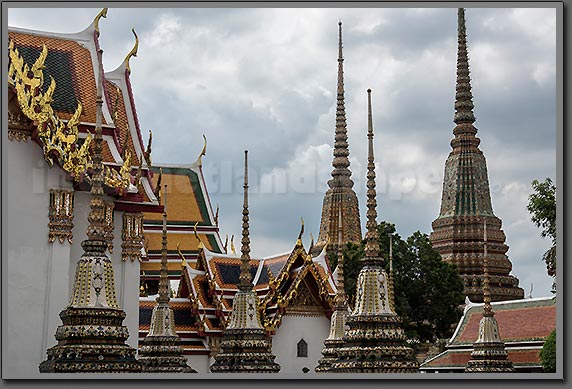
161	351
245	345
374	340
92	337
338	320
466	200
489	354
340	194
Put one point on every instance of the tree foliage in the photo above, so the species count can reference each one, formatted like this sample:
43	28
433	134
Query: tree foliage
428	292
542	208
548	354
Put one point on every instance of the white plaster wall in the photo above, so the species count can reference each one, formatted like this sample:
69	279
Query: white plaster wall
200	363
35	270
313	329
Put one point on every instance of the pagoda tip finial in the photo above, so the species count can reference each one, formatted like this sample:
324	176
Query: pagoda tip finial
101	14
372	245
132	53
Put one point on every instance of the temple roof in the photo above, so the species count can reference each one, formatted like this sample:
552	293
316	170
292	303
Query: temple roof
73	63
523	325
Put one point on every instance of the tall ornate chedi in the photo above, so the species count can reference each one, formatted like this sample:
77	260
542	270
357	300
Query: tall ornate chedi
466	201
338	320
161	351
489	354
340	195
245	345
374	340
92	337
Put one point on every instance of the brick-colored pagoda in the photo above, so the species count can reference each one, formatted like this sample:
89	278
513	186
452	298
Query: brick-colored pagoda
466	201
374	341
245	346
340	195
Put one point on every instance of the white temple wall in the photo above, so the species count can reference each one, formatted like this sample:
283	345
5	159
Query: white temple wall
36	271
313	329
200	363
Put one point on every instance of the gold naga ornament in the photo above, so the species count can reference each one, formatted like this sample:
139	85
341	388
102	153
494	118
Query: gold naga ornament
59	139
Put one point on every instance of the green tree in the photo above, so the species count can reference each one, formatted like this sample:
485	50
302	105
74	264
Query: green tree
542	208
548	354
428	292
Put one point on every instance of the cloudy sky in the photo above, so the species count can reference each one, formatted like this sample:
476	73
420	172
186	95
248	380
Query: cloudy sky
265	80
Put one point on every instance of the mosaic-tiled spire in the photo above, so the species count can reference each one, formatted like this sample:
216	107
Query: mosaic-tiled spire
92	337
391	283
161	351
466	200
340	194
374	341
463	97
338	320
245	345
489	354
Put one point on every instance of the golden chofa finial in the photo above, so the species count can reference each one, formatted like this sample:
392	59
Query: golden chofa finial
101	14
200	245
199	161
183	259
232	244
301	231
132	53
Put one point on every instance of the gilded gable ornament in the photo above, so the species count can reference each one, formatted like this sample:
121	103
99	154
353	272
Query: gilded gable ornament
59	139
132	235
61	215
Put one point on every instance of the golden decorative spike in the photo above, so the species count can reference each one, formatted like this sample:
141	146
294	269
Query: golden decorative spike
301	231
311	242
101	14
225	244
200	244
216	216
199	161
157	191
232	244
132	53
183	259
148	151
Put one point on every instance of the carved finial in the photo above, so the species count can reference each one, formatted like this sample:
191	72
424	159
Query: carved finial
132	53
148	151
341	173
372	244
101	14
311	242
200	244
158	186
245	276
138	184
216	216
463	97
183	259
225	244
232	244
199	160
164	276
391	285
301	230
